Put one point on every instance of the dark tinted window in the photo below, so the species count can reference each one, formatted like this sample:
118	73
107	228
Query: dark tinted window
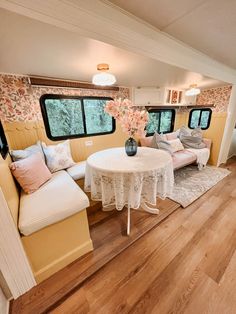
70	117
200	117
161	121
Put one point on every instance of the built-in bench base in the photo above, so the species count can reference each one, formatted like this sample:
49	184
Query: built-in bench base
54	247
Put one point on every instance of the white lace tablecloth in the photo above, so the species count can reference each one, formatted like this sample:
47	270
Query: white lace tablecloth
116	179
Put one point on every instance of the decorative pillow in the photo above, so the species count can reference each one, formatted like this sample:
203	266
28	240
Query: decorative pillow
191	138
24	153
176	145
164	145
172	135
146	141
30	172
184	131
156	139
158	142
197	132
58	156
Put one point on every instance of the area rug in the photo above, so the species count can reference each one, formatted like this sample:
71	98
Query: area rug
190	183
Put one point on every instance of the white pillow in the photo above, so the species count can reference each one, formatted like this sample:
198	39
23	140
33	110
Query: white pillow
58	157
28	151
176	145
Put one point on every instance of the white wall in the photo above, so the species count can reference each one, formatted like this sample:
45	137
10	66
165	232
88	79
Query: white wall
4	305
229	128
232	150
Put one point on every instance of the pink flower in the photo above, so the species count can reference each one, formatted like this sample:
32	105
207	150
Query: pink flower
132	119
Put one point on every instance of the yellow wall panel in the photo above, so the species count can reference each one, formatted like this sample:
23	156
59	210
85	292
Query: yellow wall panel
23	134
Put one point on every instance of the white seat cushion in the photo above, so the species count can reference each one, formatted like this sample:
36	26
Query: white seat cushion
56	200
77	171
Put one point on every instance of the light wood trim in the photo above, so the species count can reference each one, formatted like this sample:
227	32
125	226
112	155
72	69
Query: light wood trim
47	81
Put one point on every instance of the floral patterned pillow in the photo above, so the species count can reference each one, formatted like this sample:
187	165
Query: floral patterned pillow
58	157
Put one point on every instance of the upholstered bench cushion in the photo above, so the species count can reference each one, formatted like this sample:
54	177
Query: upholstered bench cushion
77	171
183	158
56	200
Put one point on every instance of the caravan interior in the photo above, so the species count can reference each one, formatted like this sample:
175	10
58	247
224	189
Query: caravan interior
117	156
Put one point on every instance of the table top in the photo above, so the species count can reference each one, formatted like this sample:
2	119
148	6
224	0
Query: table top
116	160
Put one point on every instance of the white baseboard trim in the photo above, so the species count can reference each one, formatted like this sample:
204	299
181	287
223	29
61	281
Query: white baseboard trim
4	303
14	264
8	307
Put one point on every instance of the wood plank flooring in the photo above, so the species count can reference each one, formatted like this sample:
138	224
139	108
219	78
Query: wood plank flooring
185	264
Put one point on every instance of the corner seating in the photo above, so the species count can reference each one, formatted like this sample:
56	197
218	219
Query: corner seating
52	221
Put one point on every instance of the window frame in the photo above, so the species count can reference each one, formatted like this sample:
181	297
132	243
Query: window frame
172	119
200	116
5	149
44	97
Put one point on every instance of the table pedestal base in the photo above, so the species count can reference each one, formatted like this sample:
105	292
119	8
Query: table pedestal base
146	208
143	206
150	210
128	221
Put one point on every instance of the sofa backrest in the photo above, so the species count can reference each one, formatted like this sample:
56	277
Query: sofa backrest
9	188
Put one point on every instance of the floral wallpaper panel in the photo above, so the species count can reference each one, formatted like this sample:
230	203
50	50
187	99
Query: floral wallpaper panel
19	101
219	96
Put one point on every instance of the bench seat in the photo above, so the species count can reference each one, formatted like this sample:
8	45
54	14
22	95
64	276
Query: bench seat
56	200
77	171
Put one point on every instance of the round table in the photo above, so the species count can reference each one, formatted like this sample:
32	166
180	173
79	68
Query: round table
118	180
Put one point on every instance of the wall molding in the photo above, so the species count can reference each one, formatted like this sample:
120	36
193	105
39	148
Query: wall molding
14	264
52	82
103	22
229	128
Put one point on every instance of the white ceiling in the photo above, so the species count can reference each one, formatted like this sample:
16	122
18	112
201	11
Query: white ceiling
32	47
206	25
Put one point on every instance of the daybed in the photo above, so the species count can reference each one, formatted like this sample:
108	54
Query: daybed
180	158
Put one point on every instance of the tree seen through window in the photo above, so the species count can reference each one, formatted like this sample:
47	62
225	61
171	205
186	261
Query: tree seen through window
71	116
161	121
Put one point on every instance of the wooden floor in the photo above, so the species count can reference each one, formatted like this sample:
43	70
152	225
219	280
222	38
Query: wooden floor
185	264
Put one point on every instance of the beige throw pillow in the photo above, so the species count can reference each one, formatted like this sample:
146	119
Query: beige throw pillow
58	157
159	142
191	138
176	145
25	153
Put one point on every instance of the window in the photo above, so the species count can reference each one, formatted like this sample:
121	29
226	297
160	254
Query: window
3	142
200	117
73	116
161	121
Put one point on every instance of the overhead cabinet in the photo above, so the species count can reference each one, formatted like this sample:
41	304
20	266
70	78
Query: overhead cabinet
148	96
151	96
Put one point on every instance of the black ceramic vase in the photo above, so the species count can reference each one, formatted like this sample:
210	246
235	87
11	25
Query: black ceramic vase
131	147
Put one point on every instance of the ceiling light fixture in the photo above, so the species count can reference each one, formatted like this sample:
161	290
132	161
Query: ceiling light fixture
103	78
193	90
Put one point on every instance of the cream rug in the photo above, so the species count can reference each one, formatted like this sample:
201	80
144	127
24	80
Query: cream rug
190	183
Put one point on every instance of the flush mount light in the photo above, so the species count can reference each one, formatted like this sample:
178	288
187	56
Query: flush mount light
193	90
103	78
